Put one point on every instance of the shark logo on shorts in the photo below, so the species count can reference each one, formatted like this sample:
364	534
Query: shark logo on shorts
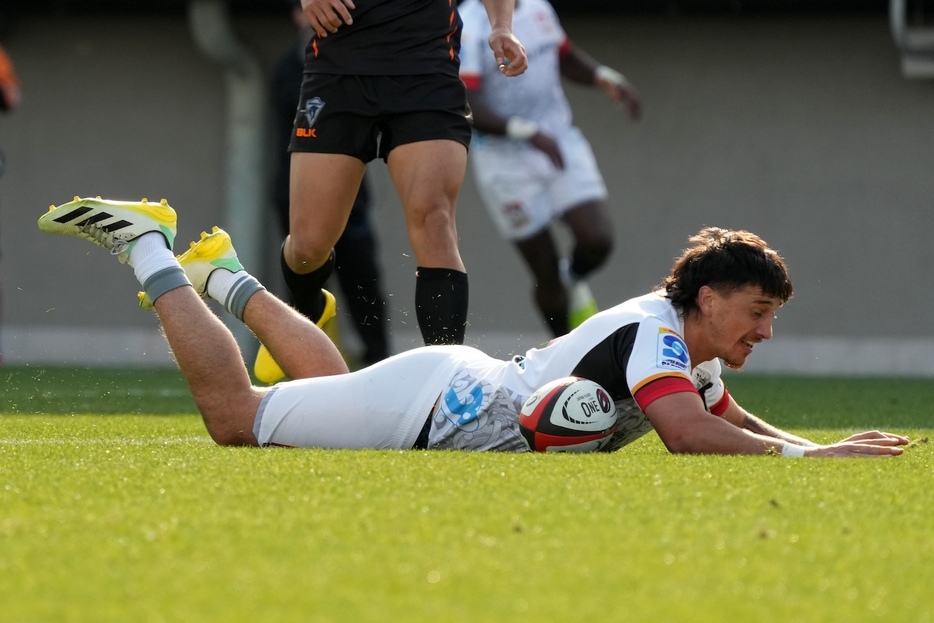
312	109
672	351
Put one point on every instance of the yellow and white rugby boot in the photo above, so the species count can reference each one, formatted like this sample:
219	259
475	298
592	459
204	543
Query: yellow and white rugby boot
203	257
265	368
113	225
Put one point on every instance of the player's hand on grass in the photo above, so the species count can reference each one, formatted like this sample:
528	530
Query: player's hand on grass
549	147
508	52
327	15
861	446
878	437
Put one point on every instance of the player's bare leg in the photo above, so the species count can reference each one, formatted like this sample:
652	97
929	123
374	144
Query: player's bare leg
210	360
298	346
322	190
551	297
428	177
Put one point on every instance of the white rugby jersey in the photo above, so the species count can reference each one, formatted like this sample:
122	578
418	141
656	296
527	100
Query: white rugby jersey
536	94
635	350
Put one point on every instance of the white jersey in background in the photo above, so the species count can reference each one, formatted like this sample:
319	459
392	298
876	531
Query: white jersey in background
536	95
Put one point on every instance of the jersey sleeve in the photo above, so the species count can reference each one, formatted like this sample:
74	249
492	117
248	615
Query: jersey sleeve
659	364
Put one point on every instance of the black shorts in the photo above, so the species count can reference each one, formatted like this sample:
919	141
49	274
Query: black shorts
367	116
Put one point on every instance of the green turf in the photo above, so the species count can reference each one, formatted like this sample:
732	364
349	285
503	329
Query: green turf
127	518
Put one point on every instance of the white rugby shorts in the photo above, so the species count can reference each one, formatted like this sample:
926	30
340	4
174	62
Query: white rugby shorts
383	406
521	188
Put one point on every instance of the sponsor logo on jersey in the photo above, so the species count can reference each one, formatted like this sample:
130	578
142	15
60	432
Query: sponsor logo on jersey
462	408
672	351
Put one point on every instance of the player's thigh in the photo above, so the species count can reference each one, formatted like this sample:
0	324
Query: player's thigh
425	131
590	223
322	191
428	175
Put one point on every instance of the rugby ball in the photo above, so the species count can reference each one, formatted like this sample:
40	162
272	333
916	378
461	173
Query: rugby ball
570	414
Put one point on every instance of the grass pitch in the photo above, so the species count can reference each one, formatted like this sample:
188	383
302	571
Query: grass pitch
106	515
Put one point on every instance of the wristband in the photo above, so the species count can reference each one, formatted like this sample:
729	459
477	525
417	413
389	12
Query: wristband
520	129
792	450
610	75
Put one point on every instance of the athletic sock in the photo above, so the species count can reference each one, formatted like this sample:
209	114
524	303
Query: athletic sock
441	297
155	266
307	297
150	255
233	290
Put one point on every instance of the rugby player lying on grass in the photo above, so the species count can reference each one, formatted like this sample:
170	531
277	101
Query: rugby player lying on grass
657	355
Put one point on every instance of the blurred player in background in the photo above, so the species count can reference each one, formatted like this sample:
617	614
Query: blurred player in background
381	81
356	266
658	356
9	99
532	165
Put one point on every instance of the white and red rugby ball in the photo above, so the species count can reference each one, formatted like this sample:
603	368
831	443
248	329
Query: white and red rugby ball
570	414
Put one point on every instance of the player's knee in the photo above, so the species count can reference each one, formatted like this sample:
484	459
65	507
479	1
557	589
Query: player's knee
594	250
306	251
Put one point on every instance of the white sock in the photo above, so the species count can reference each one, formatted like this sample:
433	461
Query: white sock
233	290
150	255
220	282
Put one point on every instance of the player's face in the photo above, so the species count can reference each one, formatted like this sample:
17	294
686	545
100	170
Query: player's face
738	321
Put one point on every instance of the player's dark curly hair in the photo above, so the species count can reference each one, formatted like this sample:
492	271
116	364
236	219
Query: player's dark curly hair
726	260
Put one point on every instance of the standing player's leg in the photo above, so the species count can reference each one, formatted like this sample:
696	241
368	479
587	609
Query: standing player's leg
428	177
592	230
361	279
542	257
322	190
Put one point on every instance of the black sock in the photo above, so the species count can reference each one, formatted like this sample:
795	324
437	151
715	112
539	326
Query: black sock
306	289
361	282
441	305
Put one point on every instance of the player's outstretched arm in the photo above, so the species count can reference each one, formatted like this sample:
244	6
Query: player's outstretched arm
738	416
507	50
684	426
578	66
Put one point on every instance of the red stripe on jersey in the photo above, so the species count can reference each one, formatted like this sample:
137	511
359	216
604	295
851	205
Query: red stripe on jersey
719	408
660	387
471	81
564	48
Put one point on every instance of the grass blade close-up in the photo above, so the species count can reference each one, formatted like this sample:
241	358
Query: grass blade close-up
108	513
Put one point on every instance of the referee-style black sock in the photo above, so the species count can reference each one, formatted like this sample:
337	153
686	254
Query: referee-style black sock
441	304
307	297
